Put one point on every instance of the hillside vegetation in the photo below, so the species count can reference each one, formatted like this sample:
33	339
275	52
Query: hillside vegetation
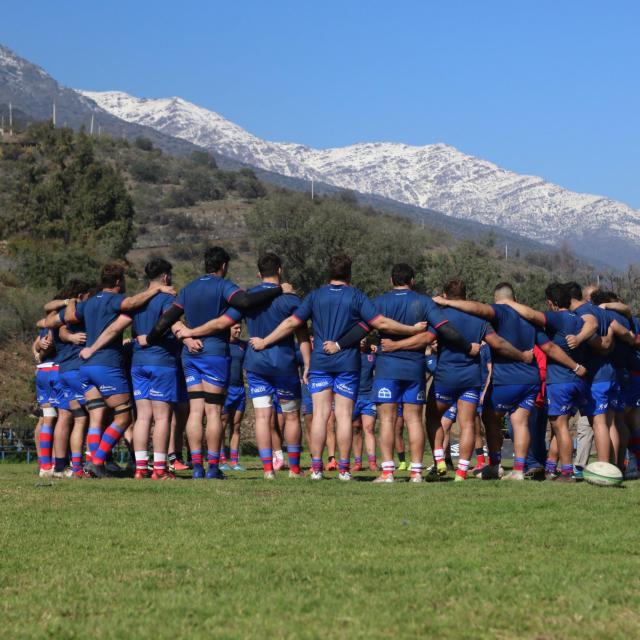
69	202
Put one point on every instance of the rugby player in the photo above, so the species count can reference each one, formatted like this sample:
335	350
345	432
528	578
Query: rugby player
515	382
334	309
364	409
211	304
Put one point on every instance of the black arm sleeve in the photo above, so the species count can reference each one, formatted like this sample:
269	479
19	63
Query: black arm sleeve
243	301
170	316
353	336
453	338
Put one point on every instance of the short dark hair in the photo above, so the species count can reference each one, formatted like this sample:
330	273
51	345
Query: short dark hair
456	289
574	290
214	259
340	267
558	294
156	267
73	289
600	297
269	264
110	275
402	274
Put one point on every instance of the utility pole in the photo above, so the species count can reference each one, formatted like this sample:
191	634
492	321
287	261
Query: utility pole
10	120
91	129
506	252
312	188
54	113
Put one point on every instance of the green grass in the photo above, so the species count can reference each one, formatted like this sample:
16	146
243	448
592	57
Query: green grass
295	559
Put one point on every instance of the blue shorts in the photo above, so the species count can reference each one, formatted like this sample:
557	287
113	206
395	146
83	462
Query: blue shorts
451	413
236	400
151	382
617	403
344	384
109	381
386	390
183	394
364	407
211	369
599	397
46	381
307	403
565	398
282	388
449	396
71	384
632	392
507	398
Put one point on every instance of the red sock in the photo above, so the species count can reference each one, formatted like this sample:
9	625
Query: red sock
109	440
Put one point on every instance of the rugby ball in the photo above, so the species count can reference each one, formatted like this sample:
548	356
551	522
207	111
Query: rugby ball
603	474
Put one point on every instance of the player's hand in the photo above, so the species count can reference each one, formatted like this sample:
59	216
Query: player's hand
582	372
257	344
45	343
184	332
330	347
374	348
572	341
287	287
86	353
387	345
420	327
475	349
78	338
442	301
193	345
305	375
142	341
528	357
165	288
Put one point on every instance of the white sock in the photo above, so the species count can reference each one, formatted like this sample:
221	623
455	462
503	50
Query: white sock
463	465
416	467
159	457
438	454
278	455
142	456
389	466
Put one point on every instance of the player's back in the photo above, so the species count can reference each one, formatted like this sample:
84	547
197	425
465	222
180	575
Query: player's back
98	312
238	351
599	366
367	368
279	358
559	325
205	299
523	336
69	355
620	353
165	351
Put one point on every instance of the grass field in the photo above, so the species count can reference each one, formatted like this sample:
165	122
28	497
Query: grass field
295	559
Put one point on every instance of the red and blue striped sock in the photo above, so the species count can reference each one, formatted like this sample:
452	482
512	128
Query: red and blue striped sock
159	462
213	458
109	439
93	439
495	457
266	455
196	457
343	465
76	462
46	446
566	469
372	459
235	457
293	455
223	456
518	464
551	466
357	459
316	464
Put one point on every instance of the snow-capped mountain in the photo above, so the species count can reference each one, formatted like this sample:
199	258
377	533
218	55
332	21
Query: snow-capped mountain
435	176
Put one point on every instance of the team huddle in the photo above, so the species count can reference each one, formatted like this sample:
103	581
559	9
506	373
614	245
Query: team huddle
403	358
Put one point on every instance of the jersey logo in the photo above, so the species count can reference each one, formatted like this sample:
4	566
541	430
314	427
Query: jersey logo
384	393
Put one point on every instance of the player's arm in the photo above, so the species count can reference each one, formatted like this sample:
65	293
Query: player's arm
589	327
34	350
448	334
165	322
504	348
622	333
479	309
302	335
382	323
43	346
529	314
349	339
70	316
112	332
207	329
55	305
140	299
554	352
72	338
618	306
419	342
284	329
243	301
488	380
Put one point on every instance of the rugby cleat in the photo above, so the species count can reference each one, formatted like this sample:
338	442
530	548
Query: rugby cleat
316	475
278	464
332	465
178	465
112	468
384	478
563	478
631	474
269	475
492	472
198	472
357	467
416	477
224	467
238	467
514	475
458	478
95	470
442	469
403	466
293	474
162	475
345	476
373	466
46	473
214	473
141	474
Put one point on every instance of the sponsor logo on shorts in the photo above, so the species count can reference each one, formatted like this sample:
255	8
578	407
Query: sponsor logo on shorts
137	392
260	389
155	392
384	393
106	387
190	379
420	395
344	387
318	385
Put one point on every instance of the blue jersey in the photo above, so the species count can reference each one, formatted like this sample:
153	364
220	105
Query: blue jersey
334	309
456	369
485	360
97	313
633	363
431	363
559	325
599	366
620	354
68	355
165	351
205	299
367	367
280	358
238	349
522	335
407	307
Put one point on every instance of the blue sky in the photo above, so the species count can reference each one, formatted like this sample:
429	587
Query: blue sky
546	88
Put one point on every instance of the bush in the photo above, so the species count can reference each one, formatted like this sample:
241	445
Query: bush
148	170
143	143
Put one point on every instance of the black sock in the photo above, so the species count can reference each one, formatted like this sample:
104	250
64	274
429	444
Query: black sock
172	457
401	456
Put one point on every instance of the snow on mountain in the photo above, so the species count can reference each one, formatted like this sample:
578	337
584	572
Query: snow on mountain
435	176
